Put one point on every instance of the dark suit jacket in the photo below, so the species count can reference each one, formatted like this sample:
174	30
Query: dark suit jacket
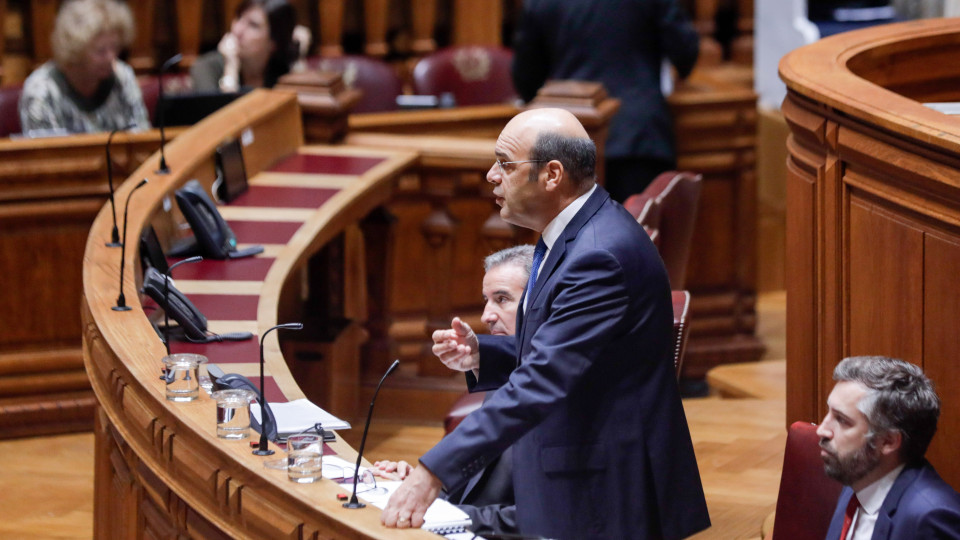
587	394
619	43
488	496
919	506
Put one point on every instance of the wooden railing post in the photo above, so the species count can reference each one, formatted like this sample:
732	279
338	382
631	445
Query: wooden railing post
325	102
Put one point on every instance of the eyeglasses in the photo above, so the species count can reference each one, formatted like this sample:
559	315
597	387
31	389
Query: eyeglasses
366	481
502	163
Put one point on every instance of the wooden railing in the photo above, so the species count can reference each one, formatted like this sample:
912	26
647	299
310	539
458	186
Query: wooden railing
873	216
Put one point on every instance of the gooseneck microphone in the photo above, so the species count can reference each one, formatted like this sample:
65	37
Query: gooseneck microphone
121	300
354	503
161	104
166	297
262	449
114	234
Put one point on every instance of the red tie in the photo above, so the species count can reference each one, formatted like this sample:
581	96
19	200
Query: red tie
848	517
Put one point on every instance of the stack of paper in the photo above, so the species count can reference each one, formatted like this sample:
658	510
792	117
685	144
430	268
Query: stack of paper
300	415
442	517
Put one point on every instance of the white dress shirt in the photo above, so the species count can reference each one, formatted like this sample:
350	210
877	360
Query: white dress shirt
555	228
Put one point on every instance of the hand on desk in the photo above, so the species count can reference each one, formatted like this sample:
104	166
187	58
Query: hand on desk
457	347
409	503
392	470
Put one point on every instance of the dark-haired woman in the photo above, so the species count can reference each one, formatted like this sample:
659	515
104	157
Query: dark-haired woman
258	49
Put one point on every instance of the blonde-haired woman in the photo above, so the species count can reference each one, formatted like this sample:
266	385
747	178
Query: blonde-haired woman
85	88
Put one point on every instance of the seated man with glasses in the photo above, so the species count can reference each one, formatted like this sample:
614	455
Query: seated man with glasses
488	497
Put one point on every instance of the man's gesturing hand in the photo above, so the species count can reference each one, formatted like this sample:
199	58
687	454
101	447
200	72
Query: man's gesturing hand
457	347
409	503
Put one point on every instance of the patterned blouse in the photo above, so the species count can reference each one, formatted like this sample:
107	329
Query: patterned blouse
49	103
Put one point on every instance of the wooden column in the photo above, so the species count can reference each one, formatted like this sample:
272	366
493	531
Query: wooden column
477	22
141	50
43	13
189	22
423	17
331	27
376	14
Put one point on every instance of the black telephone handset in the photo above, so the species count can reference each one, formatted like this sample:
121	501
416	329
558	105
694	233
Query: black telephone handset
181	309
223	381
213	236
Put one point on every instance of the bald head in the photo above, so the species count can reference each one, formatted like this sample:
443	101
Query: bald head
559	121
545	161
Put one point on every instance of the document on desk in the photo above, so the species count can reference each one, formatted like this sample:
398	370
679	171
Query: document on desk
300	415
441	518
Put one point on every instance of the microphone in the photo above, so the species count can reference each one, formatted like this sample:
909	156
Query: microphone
121	300
354	503
114	234
166	298
262	449
160	106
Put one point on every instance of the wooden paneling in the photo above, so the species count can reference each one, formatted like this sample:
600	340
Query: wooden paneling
875	242
885	265
941	341
50	192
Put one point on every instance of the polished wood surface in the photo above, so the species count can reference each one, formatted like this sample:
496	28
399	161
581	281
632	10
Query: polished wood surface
160	469
739	447
873	217
50	191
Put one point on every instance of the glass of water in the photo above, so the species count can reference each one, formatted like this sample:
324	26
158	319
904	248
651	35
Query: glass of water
183	376
233	413
304	466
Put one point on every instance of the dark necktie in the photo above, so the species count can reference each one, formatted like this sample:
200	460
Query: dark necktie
848	517
538	253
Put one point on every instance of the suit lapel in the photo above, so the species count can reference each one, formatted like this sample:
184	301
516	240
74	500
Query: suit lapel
882	529
556	255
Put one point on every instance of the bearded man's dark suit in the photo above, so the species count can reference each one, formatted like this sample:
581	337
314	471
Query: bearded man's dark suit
919	506
586	393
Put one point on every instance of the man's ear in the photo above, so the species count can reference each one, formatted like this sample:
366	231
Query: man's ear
554	174
890	442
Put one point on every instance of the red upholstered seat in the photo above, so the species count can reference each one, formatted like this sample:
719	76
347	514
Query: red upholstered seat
9	115
475	75
173	83
467	403
807	497
678	195
379	81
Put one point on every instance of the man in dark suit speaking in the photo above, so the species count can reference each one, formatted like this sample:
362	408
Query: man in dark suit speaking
881	416
585	391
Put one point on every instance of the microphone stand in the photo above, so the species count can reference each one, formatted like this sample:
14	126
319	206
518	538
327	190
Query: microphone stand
354	503
121	300
114	234
166	298
160	105
262	449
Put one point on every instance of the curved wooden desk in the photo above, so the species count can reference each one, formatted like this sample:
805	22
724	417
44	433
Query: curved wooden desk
873	217
160	469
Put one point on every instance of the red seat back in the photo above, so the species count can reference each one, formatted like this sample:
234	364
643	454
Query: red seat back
9	113
379	81
807	497
475	75
174	83
678	196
